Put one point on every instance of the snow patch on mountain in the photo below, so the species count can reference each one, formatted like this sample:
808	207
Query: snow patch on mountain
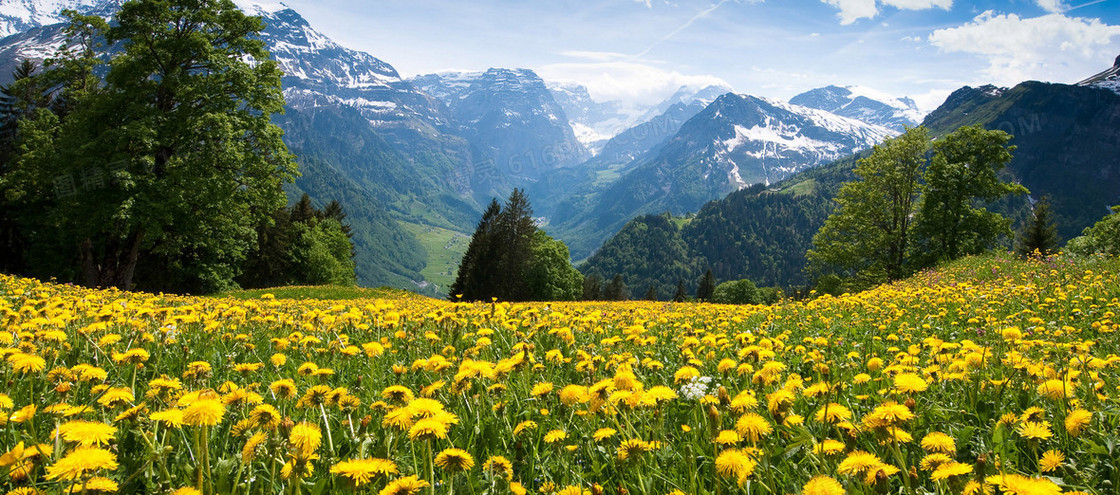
17	16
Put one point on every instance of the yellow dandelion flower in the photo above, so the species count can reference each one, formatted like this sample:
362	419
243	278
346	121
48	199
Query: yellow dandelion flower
555	436
87	433
939	442
857	463
81	462
949	469
170	417
427	429
498	466
734	463
603	434
833	413
1032	430
305	437
823	485
1055	389
1077	420
1051	460
454	460
828	447
362	471
909	383
408	485
204	412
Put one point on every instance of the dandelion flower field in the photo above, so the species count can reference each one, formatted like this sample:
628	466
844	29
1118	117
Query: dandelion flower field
990	375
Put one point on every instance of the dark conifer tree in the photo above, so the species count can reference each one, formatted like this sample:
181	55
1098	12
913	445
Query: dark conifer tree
1041	234
303	210
475	274
651	293
707	287
515	237
680	295
592	288
616	290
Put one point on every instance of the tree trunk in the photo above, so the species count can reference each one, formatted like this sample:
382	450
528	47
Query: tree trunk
118	262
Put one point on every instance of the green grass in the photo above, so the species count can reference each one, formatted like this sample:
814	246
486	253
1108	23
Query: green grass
801	188
445	249
322	292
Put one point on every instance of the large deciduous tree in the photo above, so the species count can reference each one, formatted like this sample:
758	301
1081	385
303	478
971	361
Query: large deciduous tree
172	158
962	176
866	236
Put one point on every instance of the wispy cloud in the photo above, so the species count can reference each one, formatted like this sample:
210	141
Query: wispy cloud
595	56
626	81
704	13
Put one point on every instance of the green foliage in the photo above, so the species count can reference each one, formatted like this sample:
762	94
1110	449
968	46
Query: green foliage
889	223
868	233
320	292
592	288
509	258
737	292
1103	237
302	245
680	295
551	276
616	290
649	250
707	286
1040	235
170	161
963	174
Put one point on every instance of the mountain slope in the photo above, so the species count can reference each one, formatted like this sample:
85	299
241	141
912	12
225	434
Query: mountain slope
862	104
736	141
515	128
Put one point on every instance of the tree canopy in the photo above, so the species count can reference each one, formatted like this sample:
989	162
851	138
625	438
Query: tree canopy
910	208
510	259
170	159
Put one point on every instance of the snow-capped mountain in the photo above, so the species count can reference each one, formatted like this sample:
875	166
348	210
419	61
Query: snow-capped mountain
595	123
514	125
1108	79
737	141
862	104
17	16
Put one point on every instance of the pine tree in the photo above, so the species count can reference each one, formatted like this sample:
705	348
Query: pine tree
680	295
473	281
515	234
1041	235
616	290
651	293
592	288
707	287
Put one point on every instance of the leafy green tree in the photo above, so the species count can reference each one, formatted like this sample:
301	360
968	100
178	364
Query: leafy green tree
616	289
737	292
1040	235
173	158
1103	237
962	176
322	253
592	288
707	286
302	245
551	276
867	235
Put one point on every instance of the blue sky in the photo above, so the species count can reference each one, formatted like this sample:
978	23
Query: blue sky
641	50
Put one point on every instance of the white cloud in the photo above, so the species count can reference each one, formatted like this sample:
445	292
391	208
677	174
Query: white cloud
595	56
630	82
1052	6
1048	48
854	10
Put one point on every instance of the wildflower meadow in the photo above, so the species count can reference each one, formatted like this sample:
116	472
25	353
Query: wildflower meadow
989	375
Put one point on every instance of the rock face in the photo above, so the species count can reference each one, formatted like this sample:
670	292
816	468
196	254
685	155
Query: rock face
863	105
516	129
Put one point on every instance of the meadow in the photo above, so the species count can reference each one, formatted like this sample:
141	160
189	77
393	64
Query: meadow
989	375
